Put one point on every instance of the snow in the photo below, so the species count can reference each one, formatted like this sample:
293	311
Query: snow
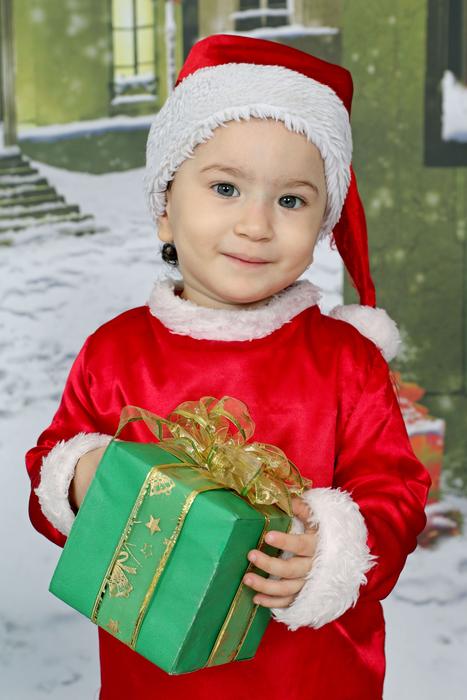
66	130
52	295
7	151
13	179
126	99
25	209
143	79
49	226
19	189
287	30
427	622
260	12
454	108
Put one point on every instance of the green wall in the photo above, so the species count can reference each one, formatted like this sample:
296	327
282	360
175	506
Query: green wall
63	75
63	50
64	61
416	214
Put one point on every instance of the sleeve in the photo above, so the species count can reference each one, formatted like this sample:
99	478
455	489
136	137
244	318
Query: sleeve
74	430
369	520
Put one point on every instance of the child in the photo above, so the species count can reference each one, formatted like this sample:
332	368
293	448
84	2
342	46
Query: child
239	209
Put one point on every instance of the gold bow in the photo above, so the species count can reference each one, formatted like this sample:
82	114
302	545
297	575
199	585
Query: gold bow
199	436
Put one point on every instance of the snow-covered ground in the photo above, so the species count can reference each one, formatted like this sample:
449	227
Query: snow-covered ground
54	291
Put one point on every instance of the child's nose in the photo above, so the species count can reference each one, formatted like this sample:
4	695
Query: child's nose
255	221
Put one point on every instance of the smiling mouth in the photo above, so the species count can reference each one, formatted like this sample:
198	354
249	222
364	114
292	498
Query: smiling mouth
246	261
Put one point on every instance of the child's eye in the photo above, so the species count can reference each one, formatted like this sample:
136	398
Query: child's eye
225	188
293	197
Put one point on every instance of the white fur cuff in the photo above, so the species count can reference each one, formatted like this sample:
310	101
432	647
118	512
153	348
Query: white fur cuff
340	562
57	471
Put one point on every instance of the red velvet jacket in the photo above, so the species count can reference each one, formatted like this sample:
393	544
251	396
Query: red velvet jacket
319	390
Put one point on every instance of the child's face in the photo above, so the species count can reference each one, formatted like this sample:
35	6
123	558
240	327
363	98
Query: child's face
213	214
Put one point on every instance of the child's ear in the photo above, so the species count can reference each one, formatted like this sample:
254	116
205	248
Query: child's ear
164	230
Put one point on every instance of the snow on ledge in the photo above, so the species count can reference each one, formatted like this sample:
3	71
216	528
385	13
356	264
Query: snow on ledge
261	12
94	126
286	30
7	151
126	81
129	99
454	108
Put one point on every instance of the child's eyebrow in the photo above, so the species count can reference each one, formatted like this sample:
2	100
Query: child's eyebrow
238	172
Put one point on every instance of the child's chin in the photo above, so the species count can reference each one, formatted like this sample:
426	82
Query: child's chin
246	297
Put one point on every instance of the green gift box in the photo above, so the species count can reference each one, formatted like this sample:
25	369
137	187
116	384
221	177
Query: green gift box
158	549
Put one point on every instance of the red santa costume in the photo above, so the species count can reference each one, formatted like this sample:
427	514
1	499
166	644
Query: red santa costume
315	385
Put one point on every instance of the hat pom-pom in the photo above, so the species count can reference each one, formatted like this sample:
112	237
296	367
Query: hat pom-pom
373	323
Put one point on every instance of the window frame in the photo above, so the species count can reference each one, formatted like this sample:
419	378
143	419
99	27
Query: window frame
119	94
439	153
261	14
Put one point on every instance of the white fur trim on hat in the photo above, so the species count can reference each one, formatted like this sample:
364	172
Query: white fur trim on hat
57	471
187	318
211	96
341	560
373	323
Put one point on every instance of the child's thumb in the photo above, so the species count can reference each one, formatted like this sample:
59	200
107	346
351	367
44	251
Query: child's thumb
301	509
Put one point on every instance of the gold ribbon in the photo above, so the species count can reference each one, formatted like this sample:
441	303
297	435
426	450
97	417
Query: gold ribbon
212	435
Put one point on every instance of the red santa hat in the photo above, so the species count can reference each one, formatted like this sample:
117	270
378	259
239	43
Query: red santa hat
228	77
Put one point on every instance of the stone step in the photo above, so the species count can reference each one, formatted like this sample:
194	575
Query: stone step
19	181
29	204
9	162
19	170
50	220
26	191
37	213
30	200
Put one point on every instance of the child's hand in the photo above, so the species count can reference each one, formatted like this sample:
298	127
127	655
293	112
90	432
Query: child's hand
85	469
292	571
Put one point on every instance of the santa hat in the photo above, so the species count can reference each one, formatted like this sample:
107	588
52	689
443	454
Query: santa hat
228	77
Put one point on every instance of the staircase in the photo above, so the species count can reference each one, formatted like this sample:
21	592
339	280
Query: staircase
27	201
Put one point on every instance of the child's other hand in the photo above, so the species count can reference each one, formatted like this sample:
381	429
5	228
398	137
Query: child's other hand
84	473
292	571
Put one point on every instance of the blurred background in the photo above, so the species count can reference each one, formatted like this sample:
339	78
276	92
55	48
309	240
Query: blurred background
80	82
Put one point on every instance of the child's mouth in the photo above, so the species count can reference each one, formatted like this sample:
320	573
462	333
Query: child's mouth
251	263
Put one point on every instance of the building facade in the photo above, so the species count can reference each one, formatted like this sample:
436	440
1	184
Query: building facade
111	64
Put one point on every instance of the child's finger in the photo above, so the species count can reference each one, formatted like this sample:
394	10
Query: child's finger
283	587
303	545
273	601
295	567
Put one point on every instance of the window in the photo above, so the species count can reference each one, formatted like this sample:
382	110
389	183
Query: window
253	14
133	34
446	84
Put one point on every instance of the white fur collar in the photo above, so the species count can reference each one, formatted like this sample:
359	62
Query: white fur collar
187	318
